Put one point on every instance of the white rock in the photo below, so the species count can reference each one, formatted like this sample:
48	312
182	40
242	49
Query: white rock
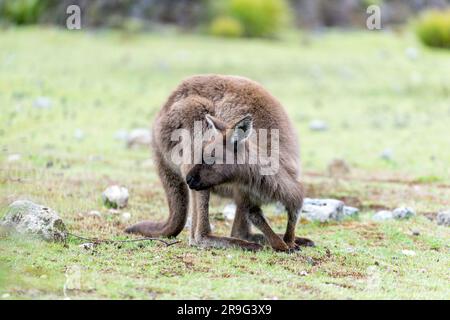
279	208
412	53
14	157
387	154
121	135
322	209
6	296
125	217
409	253
78	134
350	211
42	103
399	214
383	215
229	211
303	273
115	197
26	217
318	125
403	213
443	218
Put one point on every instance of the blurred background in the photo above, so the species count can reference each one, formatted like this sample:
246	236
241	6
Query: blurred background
221	17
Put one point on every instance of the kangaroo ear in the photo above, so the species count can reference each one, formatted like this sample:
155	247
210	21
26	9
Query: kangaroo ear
242	129
214	123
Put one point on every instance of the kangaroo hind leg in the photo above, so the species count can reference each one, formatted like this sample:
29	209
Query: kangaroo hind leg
178	201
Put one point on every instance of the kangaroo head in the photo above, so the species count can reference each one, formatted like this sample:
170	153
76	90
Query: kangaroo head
223	145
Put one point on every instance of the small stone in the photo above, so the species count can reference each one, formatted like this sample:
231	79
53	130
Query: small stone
322	210
78	134
44	276
279	208
121	135
383	215
387	154
403	213
125	217
42	103
350	250
14	157
141	136
415	233
6	296
350	211
303	273
409	253
115	197
26	217
229	211
412	53
443	218
318	125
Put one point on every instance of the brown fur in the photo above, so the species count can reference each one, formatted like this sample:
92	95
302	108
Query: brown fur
228	102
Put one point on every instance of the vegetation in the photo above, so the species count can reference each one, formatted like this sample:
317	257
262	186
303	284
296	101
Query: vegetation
372	95
226	27
433	29
260	18
21	11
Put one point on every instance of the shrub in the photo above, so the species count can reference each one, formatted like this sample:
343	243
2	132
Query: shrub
226	27
259	18
22	11
433	28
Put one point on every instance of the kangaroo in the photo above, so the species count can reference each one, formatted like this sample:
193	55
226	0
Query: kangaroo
234	108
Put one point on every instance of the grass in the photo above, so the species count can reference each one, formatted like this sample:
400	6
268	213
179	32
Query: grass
370	93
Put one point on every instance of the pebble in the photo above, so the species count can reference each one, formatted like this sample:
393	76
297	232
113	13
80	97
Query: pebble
42	103
318	125
229	211
443	218
409	253
14	157
125	217
387	154
115	197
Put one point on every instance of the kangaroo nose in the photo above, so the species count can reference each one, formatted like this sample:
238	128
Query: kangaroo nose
189	180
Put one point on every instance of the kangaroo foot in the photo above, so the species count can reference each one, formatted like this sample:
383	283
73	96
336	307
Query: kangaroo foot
304	242
225	242
145	228
261	239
